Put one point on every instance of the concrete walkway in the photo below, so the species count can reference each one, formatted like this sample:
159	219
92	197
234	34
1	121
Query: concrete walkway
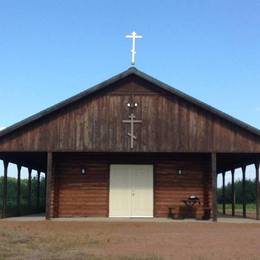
34	217
41	217
238	220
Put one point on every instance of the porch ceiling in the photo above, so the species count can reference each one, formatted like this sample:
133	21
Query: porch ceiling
229	161
38	160
33	160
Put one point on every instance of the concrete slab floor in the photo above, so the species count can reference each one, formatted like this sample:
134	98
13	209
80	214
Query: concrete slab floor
34	217
41	217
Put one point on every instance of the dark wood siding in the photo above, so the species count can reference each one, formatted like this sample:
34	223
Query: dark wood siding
171	188
77	194
87	195
94	124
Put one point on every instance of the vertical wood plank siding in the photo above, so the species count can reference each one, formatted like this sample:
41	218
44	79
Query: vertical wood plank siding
94	124
88	195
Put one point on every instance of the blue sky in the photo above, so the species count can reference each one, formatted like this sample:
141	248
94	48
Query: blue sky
50	50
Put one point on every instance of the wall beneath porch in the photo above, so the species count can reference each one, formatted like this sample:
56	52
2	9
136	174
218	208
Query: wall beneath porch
171	188
76	195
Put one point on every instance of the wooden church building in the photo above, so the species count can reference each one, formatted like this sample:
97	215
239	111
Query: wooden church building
131	146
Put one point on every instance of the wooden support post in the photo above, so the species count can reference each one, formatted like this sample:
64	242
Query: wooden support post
30	189
18	198
233	191
38	190
257	166
214	185
4	208
45	185
244	191
49	184
223	193
45	190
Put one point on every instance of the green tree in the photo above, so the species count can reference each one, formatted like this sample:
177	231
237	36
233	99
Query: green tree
12	195
250	192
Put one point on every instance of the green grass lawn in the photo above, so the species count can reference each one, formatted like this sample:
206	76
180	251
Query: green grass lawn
249	207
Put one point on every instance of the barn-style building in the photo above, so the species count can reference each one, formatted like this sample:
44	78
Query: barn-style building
131	146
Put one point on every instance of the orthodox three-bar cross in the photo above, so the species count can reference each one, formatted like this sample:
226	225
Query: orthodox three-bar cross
132	121
133	36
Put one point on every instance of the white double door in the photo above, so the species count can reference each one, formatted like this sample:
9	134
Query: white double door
131	191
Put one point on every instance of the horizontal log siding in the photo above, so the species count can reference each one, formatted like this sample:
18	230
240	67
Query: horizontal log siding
81	195
88	195
171	188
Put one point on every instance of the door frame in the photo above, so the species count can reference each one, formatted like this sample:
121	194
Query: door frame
153	170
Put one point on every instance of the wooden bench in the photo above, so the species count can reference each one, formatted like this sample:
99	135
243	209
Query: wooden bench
182	211
174	212
171	212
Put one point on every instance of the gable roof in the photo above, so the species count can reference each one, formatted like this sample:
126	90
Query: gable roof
130	71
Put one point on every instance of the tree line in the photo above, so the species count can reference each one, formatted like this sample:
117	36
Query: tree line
12	192
250	192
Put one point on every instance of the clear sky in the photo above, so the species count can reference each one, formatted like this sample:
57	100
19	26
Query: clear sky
50	50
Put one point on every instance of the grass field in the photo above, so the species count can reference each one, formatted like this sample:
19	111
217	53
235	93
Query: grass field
250	209
128	240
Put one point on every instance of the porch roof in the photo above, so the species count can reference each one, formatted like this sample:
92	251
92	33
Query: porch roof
225	161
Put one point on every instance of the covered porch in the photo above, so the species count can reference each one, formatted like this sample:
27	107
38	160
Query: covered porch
23	183
243	165
43	164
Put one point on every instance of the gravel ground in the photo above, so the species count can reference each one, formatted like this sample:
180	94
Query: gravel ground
128	240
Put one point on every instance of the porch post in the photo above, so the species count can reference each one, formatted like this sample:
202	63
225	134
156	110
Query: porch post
30	189
45	185
223	193
18	199
233	191
4	206
257	165
49	184
38	190
244	190
214	185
